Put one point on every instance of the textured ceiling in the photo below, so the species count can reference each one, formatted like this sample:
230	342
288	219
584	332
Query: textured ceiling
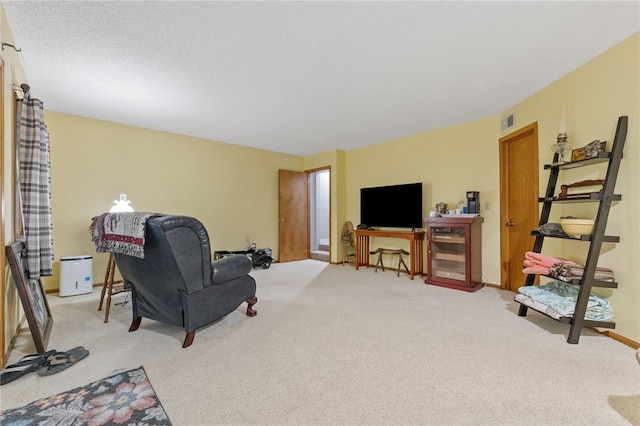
304	77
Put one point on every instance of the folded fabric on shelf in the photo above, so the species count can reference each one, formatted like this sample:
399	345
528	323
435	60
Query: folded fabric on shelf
541	259
535	269
540	307
539	264
552	230
561	297
568	271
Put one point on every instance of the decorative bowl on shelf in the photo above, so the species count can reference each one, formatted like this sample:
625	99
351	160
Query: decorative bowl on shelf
577	227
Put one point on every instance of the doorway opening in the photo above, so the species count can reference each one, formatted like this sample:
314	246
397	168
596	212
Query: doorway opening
319	215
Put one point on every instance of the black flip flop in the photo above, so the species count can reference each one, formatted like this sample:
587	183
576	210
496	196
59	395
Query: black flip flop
27	364
60	361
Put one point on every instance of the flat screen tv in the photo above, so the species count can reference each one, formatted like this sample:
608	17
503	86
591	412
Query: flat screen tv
395	206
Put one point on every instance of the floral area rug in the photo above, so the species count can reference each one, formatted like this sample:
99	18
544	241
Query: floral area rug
125	398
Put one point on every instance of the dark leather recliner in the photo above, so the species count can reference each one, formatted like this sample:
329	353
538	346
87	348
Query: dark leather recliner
177	283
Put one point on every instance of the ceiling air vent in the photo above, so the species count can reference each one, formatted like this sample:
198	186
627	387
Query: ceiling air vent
508	122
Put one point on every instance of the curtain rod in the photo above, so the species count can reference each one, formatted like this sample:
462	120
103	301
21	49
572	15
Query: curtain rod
24	87
17	49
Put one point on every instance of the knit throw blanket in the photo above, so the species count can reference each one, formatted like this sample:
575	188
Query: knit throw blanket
120	232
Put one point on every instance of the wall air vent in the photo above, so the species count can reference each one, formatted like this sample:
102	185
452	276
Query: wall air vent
508	122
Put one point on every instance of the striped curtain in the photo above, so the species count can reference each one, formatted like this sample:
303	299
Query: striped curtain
34	174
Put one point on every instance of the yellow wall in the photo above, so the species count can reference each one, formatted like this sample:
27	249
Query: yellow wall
594	96
449	162
453	160
233	190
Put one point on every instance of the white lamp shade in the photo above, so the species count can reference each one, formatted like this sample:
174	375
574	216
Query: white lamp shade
121	205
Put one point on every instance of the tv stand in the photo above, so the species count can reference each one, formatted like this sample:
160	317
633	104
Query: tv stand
416	241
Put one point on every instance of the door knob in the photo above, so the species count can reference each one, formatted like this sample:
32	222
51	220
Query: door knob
510	223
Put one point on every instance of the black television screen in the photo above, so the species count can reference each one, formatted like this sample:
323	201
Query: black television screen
395	206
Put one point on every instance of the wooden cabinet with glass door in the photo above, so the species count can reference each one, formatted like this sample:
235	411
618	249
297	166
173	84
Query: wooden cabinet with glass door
454	252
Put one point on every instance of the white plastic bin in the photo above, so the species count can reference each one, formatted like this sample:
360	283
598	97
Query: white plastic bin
76	275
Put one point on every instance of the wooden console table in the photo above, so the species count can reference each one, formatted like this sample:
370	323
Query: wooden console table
416	250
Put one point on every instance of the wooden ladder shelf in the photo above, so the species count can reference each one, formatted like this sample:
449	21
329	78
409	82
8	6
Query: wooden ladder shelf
596	239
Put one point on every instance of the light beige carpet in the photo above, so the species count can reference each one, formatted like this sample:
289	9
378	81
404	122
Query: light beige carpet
335	346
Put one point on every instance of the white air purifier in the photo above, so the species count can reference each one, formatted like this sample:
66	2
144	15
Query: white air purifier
76	275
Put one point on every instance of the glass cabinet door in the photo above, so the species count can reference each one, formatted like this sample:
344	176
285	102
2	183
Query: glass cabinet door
448	252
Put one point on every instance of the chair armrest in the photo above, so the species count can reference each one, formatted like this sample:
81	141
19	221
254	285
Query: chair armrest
228	268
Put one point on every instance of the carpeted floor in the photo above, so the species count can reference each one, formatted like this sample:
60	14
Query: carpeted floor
124	398
335	346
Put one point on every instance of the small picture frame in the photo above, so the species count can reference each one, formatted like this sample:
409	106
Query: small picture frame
579	154
32	295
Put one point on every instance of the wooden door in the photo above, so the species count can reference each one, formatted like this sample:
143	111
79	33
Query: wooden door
519	207
294	216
